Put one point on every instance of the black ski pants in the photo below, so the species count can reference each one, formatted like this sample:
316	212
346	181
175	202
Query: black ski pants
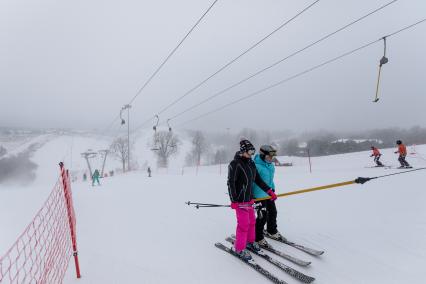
376	159
402	161
266	214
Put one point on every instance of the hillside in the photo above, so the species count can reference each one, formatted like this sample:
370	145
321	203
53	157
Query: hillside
135	229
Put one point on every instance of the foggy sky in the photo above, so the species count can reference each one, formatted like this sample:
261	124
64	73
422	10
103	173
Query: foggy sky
74	64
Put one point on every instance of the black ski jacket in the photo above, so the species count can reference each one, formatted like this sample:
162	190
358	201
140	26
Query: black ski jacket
242	173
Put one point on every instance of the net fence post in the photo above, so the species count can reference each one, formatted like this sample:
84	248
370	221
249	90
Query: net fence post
71	215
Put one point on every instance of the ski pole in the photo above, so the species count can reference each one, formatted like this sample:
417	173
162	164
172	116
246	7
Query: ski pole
209	205
359	180
204	204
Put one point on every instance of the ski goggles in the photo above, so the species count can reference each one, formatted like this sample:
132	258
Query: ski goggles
272	153
251	152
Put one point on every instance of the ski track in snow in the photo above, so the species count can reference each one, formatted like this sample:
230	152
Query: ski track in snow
135	229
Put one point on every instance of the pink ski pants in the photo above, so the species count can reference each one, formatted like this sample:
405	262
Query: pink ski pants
246	223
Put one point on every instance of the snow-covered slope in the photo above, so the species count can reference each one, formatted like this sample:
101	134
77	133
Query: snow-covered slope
19	202
135	229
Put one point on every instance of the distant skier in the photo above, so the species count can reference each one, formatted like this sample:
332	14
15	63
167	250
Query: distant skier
402	151
84	177
376	154
95	177
149	171
267	211
242	174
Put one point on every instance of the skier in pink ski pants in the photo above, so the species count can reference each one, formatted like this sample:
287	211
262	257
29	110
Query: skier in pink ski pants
246	222
242	173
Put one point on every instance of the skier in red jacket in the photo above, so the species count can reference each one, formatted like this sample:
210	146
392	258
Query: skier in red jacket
402	151
376	154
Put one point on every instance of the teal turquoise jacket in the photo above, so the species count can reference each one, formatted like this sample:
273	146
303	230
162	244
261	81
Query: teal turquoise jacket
266	171
96	174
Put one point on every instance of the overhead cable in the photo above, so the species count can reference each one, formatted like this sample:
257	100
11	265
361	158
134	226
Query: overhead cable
165	60
236	58
280	61
301	73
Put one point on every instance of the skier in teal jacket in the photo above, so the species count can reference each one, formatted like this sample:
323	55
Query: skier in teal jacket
266	211
95	177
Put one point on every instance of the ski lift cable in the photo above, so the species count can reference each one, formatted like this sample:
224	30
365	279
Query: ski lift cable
165	61
172	52
228	64
143	124
299	74
110	125
278	83
237	57
282	60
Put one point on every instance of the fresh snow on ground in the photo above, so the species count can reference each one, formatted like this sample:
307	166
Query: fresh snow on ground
135	229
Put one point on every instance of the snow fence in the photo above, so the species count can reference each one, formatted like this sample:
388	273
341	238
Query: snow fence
42	252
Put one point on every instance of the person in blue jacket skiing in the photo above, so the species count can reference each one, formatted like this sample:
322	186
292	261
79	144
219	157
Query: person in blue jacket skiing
266	210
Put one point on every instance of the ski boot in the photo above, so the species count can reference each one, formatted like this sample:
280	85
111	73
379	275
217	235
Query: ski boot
253	246
244	255
263	243
277	236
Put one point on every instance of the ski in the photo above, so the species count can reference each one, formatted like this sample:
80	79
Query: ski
253	264
372	167
284	255
310	251
398	168
287	269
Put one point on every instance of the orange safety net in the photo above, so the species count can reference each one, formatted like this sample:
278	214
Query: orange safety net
42	252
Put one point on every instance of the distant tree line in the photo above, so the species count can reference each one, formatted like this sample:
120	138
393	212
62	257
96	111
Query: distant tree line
320	144
215	148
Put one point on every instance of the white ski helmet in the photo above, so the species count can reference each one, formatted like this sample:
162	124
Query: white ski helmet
268	150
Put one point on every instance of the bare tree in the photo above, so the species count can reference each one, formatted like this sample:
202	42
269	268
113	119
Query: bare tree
165	145
120	150
221	156
249	134
199	147
3	151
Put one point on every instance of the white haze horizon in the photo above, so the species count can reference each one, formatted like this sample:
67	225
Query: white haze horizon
74	65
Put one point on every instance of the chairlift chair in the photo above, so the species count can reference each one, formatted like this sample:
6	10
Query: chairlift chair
121	117
155	146
382	62
170	128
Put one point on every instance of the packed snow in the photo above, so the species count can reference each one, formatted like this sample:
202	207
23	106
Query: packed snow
136	229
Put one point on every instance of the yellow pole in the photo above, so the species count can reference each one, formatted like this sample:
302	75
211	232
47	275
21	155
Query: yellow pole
309	189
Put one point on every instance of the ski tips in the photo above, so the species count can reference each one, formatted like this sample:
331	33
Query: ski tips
376	100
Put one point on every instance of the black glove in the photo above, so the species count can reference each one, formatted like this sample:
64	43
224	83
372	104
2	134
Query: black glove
362	180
